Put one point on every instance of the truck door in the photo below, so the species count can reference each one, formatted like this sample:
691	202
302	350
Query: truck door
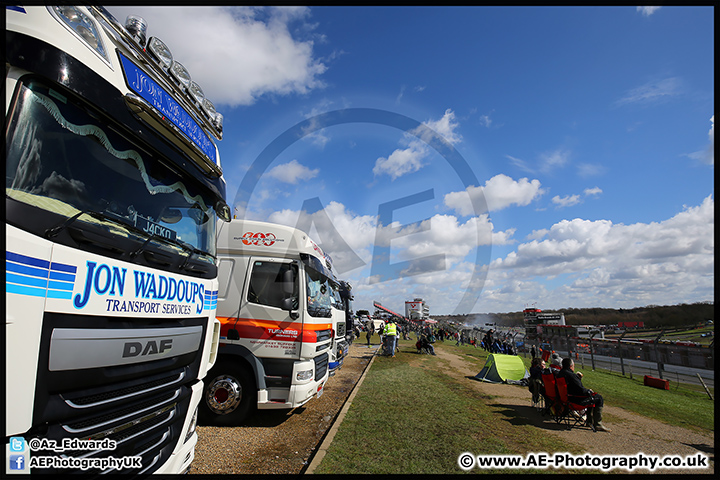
265	321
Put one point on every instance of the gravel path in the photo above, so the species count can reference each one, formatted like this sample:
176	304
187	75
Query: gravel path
631	433
279	441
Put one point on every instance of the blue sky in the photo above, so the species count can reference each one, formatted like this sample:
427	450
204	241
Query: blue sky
481	158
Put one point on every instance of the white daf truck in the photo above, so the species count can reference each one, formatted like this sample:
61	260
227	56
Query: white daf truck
339	348
113	188
274	304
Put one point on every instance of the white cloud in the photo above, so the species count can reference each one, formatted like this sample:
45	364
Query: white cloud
444	235
592	191
614	265
401	162
707	156
555	159
594	263
590	170
499	192
446	127
521	164
292	172
711	147
652	92
647	11
236	54
566	201
410	159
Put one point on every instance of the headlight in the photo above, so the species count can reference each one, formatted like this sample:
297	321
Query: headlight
305	375
82	26
192	427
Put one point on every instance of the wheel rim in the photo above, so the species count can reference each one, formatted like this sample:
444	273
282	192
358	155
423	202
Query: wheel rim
224	394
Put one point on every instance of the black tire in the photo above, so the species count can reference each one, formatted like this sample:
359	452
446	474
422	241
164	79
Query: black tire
229	394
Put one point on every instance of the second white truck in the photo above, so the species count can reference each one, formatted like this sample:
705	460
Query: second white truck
275	310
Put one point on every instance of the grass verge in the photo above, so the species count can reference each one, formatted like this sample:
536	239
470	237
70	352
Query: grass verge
411	418
687	406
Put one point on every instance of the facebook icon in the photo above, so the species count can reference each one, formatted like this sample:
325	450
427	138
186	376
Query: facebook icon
17	462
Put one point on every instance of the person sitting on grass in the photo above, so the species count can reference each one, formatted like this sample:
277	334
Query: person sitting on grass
423	343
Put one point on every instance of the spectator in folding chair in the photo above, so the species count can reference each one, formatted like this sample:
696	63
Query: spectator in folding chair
555	363
551	399
580	395
536	384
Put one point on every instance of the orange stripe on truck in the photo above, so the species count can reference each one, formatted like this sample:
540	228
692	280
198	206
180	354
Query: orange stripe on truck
272	329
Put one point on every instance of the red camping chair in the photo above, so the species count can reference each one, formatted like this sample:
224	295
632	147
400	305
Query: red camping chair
545	355
573	414
551	398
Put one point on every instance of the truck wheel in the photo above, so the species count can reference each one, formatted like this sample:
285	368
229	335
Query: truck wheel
228	395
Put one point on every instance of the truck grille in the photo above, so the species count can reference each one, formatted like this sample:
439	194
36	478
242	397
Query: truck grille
141	406
321	366
323	335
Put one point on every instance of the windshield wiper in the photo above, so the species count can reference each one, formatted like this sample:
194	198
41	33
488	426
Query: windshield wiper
191	251
141	248
54	231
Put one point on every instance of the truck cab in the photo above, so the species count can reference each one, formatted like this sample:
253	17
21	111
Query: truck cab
275	310
339	347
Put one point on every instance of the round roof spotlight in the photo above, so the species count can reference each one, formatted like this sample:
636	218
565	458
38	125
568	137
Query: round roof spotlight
197	92
180	73
218	122
160	52
137	27
209	108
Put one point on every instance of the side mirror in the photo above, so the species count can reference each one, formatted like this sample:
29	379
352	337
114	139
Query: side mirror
288	282
289	303
223	211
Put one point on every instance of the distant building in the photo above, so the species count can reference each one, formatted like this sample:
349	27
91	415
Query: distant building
417	309
535	320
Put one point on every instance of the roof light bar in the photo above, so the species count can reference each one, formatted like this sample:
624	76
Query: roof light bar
160	52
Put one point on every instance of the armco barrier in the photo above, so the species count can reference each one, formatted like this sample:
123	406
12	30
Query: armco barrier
656	382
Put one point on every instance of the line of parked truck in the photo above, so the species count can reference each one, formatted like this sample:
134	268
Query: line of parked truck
134	303
283	316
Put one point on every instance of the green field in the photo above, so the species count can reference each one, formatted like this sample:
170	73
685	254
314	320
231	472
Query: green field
410	417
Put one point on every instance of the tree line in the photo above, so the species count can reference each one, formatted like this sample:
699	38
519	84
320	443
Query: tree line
653	316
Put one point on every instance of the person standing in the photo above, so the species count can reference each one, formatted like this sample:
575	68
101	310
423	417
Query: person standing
391	335
533	351
369	333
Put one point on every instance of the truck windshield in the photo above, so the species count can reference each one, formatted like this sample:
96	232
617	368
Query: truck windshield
319	293
62	158
335	299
